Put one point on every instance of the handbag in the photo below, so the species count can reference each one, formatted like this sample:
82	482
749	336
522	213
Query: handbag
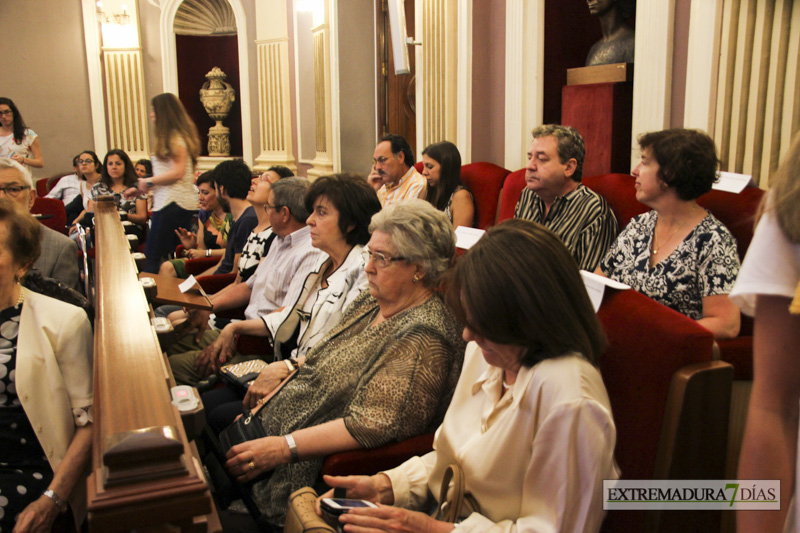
240	375
247	427
301	515
460	504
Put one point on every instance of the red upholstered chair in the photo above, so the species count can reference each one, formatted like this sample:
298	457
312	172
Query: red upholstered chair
51	182
670	402
198	265
52	211
619	192
217	282
485	180
509	196
369	462
737	212
418	166
45	185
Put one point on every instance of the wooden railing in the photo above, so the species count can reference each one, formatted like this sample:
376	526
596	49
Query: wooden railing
144	471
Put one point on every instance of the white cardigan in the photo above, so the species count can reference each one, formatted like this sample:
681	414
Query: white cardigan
54	376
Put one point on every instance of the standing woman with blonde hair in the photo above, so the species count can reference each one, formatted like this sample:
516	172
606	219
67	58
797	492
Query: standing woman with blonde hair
767	283
175	153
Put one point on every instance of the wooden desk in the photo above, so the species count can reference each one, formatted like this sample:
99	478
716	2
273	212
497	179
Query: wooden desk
170	294
145	474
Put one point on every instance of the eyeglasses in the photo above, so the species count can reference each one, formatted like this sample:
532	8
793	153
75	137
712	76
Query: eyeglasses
6	112
381	160
267	207
85	161
13	190
380	260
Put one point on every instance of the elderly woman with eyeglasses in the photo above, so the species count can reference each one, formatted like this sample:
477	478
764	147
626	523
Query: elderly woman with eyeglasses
386	372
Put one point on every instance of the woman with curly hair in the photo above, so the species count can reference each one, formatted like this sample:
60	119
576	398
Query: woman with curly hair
679	254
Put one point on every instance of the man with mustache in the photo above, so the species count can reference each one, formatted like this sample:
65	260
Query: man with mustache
393	160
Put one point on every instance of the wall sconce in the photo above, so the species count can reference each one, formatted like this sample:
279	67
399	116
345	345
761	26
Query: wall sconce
115	18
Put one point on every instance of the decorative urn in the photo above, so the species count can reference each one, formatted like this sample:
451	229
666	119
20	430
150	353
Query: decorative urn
217	97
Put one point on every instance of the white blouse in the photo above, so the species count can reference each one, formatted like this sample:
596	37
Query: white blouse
181	192
534	458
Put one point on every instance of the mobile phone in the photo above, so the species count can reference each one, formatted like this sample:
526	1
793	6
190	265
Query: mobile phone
337	506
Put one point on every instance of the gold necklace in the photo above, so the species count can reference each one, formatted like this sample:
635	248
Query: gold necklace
654	245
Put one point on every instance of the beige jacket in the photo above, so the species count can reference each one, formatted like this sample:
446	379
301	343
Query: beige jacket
54	376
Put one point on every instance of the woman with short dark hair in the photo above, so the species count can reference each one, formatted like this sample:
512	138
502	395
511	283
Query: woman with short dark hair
530	421
143	168
213	226
341	208
678	254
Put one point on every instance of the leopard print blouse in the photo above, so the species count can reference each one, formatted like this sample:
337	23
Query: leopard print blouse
388	382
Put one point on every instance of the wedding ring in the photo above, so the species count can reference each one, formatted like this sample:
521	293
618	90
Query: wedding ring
252	465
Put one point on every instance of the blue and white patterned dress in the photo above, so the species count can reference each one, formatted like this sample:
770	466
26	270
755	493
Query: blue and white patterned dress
704	264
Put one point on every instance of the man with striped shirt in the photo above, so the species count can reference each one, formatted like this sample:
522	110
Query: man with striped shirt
277	282
555	197
394	162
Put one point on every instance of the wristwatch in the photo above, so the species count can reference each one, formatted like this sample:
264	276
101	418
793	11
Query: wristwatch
208	252
295	457
150	183
60	504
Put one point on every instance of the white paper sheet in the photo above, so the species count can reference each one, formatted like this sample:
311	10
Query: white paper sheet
467	237
596	287
188	284
732	182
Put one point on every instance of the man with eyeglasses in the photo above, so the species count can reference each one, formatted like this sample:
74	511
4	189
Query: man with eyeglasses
393	161
59	256
276	283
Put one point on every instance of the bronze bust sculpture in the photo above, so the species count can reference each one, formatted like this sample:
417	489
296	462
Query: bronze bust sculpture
617	44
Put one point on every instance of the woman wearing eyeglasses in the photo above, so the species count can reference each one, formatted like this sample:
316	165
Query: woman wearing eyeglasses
89	173
341	208
17	141
386	372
